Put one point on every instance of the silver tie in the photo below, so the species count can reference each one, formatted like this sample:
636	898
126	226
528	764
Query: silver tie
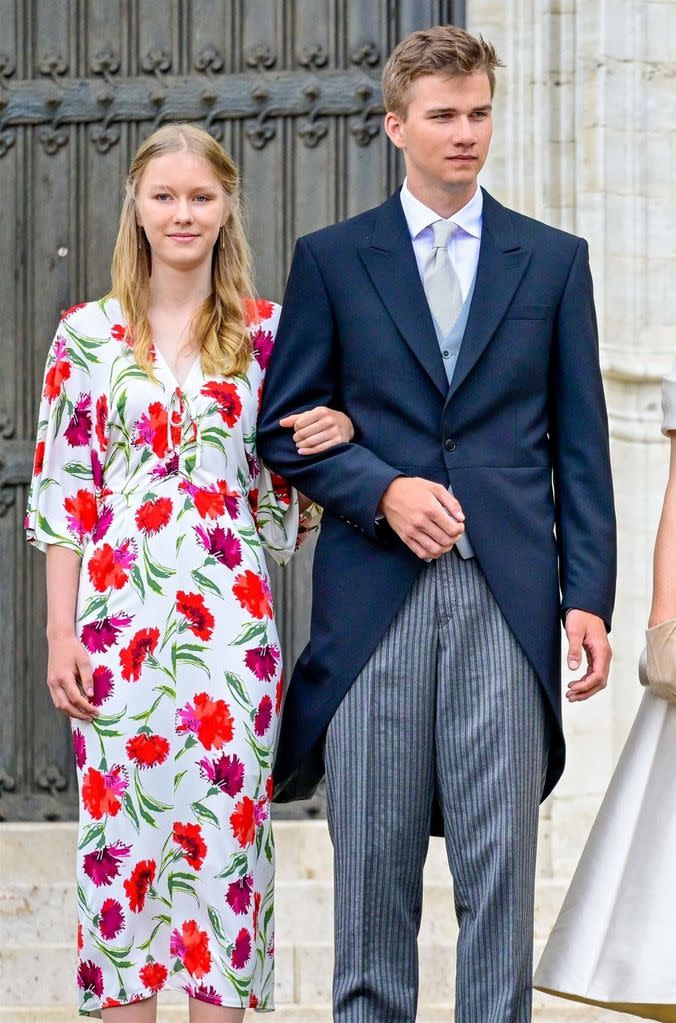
440	280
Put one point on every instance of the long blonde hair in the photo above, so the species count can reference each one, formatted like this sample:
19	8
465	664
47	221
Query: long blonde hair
219	325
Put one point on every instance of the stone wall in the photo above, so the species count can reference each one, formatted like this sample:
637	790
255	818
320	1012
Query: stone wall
585	139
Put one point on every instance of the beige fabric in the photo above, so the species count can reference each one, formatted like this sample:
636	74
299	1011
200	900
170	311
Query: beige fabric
660	644
440	280
613	942
669	401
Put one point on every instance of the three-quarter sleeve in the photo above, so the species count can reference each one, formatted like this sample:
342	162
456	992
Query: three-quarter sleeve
62	501
275	509
669	401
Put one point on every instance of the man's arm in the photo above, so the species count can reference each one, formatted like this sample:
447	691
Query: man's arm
348	480
585	512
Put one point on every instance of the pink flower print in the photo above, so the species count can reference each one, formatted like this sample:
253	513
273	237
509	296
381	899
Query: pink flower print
261	811
90	977
204	994
167	468
103	523
103	685
99	636
241	952
103	865
225	547
262	661
263	716
79	429
262	343
97	471
227	773
79	748
238	895
253	465
111	919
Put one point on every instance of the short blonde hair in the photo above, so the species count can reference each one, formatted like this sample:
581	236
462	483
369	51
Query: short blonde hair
442	50
219	326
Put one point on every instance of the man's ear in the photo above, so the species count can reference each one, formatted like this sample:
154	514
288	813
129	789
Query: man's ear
393	125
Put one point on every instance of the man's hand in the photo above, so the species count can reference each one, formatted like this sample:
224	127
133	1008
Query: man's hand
423	515
318	429
587	632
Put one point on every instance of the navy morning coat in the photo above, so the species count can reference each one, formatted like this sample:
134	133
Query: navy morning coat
521	435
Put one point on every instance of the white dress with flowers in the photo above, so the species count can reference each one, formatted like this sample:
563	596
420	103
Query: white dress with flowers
158	488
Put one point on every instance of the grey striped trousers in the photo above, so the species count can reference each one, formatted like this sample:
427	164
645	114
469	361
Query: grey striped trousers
448	703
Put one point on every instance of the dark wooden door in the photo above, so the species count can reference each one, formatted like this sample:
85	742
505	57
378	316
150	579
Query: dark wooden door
291	88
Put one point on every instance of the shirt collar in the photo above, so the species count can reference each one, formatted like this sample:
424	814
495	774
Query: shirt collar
418	216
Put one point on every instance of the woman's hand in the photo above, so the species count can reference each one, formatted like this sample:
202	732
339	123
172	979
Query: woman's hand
69	665
318	429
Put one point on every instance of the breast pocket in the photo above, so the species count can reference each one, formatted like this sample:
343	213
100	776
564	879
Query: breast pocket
529	312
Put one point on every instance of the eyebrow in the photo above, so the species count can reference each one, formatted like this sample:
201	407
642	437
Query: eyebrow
198	188
453	110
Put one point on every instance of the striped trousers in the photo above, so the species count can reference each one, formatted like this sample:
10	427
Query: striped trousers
447	705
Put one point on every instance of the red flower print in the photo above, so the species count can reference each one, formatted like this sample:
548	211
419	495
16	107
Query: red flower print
81	513
153	515
103	793
153	976
253	593
210	720
279	694
189	838
281	488
269	787
263	716
256	912
227	399
225	547
103	523
198	617
147	750
79	748
227	773
109	567
212	501
241	952
102	421
79	429
90	977
103	865
58	373
253	501
238	895
262	341
73	309
111	919
38	461
133	656
136	887
262	661
243	822
151	429
99	636
191	945
256	309
253	1001
119	332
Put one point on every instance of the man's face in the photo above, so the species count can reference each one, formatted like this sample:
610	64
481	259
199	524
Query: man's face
446	132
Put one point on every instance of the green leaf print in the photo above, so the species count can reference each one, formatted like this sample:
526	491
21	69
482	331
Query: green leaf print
204	814
204	584
94	607
162	921
217	926
128	808
44	525
151	803
238	690
239	865
181	881
137	581
184	655
177	779
79	470
262	753
251	631
90	834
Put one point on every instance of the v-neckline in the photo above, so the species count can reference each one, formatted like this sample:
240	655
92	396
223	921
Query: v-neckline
177	384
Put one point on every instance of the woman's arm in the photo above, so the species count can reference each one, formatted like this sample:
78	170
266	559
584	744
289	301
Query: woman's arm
68	659
664	563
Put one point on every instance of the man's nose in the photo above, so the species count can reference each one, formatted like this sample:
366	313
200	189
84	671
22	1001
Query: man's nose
464	134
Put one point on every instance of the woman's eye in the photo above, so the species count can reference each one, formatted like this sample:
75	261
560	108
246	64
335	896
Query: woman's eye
202	198
163	195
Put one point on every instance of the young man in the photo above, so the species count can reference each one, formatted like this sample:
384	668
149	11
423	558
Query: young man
461	340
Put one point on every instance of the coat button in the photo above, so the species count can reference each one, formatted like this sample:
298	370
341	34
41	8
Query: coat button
449	444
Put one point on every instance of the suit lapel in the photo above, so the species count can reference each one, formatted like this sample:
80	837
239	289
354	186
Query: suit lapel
391	265
502	264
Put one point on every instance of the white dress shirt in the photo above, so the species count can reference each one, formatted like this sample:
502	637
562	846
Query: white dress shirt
463	247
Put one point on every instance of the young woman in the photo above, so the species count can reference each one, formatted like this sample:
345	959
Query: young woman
612	944
154	509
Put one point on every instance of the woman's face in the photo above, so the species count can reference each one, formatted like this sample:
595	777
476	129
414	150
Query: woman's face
181	206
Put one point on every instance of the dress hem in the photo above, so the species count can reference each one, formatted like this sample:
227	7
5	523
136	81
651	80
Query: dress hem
94	1011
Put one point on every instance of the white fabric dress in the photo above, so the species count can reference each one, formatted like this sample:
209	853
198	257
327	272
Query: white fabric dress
614	943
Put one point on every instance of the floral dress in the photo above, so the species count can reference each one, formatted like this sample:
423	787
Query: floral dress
159	489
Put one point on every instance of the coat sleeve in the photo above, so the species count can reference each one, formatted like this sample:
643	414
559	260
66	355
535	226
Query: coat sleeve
585	513
348	480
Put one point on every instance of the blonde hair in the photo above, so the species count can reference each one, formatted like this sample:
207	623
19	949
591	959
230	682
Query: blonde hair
219	325
442	50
